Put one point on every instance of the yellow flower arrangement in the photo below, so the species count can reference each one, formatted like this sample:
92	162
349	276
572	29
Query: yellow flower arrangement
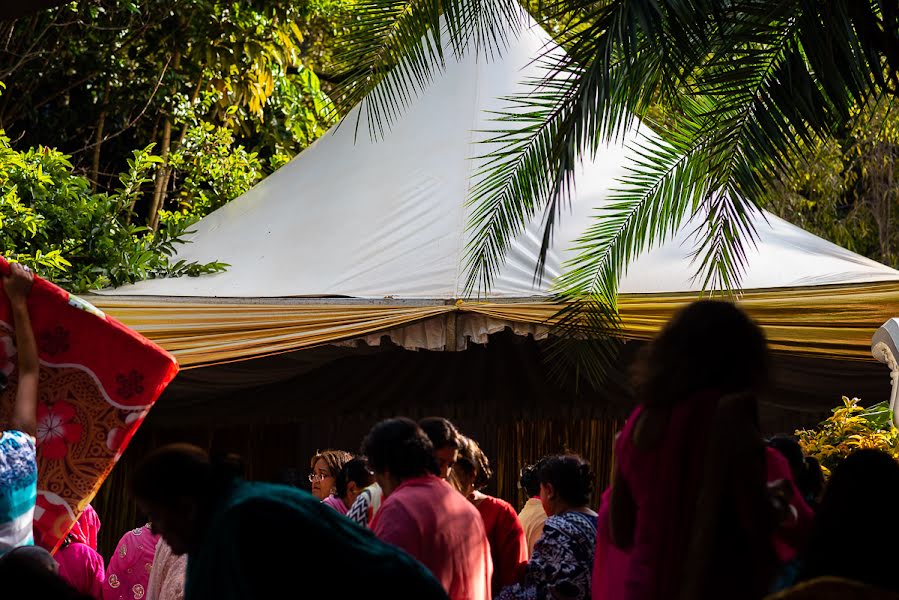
851	427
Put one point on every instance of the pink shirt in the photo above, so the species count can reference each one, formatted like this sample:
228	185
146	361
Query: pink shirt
434	523
336	503
82	568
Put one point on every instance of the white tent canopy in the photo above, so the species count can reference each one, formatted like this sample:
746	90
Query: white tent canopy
387	219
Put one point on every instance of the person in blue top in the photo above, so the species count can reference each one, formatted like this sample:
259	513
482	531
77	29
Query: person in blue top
18	460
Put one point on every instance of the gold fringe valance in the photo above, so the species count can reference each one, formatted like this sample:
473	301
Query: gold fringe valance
828	321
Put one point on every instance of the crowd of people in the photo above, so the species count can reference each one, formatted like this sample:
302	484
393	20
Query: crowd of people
700	505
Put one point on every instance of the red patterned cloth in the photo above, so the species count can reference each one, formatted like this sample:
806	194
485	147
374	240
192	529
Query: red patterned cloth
98	381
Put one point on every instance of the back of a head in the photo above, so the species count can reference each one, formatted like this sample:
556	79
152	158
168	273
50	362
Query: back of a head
441	432
709	345
182	470
30	572
400	447
812	481
867	480
789	449
473	460
571	476
356	471
529	479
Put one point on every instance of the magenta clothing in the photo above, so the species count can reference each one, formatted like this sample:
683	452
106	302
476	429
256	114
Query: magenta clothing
790	537
129	568
434	523
87	527
82	567
336	503
664	482
609	561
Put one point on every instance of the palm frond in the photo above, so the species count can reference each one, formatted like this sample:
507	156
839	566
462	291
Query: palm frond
582	100
396	47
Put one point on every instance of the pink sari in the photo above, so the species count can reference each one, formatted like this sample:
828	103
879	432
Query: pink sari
699	495
129	568
609	561
87	527
664	484
82	568
79	563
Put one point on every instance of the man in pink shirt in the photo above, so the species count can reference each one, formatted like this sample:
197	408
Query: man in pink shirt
424	515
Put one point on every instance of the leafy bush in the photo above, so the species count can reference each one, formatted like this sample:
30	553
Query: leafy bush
851	427
50	219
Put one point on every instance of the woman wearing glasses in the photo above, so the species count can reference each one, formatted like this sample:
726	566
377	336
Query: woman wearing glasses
325	467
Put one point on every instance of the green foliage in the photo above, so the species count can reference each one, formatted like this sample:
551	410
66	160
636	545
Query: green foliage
97	78
50	219
845	188
851	427
216	93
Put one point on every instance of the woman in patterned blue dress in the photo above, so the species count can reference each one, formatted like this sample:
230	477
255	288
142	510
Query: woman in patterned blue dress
18	461
561	564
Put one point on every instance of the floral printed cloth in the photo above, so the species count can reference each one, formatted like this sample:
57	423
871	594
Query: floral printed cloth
562	563
98	381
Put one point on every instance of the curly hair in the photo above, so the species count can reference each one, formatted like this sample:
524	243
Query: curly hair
474	462
400	447
571	477
334	459
688	356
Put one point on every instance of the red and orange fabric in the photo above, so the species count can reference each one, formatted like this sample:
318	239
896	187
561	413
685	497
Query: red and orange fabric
98	381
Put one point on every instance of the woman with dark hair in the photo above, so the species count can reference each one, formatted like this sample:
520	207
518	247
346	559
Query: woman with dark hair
508	546
532	515
445	442
325	466
354	477
445	439
256	540
563	557
689	498
868	480
422	514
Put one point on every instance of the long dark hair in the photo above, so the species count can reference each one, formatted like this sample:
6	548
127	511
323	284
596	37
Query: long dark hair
709	345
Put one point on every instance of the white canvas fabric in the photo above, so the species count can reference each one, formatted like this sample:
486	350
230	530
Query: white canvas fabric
387	219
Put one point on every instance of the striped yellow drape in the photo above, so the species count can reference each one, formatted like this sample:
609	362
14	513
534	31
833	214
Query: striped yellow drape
827	321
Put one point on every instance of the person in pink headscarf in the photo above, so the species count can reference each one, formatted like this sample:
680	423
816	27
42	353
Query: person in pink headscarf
80	565
128	574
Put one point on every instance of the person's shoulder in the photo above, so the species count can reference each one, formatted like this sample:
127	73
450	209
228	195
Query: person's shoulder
503	506
266	501
15	439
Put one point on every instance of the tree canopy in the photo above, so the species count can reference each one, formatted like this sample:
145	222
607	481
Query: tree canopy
190	101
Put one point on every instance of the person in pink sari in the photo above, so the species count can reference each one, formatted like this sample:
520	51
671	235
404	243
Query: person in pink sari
609	561
129	568
80	565
689	499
